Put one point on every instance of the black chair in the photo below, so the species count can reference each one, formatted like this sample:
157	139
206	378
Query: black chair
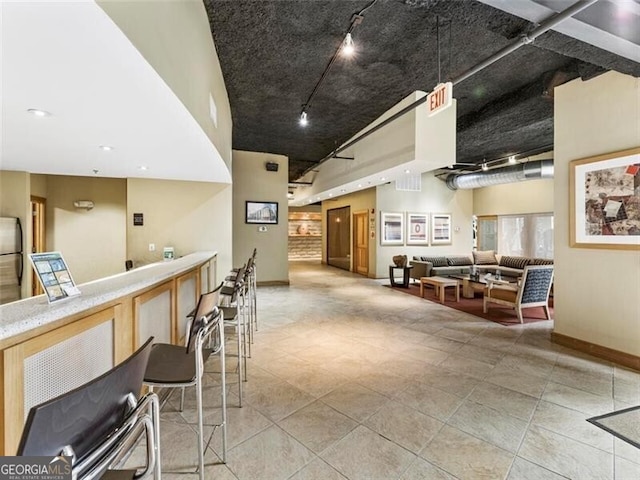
99	423
174	366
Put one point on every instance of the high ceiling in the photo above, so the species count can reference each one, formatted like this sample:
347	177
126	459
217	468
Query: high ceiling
273	53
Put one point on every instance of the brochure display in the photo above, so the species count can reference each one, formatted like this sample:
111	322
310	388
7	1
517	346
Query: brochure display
54	275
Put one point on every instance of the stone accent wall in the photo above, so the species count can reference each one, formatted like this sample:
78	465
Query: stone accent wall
305	236
305	248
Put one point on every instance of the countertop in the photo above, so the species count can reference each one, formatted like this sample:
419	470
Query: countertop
24	315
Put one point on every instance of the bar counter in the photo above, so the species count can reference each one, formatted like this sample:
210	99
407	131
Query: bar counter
49	349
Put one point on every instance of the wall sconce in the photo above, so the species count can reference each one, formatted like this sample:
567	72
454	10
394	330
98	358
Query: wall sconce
85	204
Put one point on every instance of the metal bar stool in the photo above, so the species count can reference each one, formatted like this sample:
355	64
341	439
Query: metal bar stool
99	424
173	366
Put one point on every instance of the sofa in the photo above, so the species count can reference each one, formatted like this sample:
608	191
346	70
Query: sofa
481	261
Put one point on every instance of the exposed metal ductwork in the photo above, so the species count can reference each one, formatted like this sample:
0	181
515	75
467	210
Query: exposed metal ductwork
513	173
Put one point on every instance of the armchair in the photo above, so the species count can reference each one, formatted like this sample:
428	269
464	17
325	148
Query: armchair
532	291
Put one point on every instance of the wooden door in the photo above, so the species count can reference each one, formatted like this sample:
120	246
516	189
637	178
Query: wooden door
361	243
37	238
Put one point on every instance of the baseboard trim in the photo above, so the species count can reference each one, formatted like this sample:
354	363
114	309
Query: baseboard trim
273	283
606	353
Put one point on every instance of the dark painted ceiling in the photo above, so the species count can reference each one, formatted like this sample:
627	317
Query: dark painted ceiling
273	52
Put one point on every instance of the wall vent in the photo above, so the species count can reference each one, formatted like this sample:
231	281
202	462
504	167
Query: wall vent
409	183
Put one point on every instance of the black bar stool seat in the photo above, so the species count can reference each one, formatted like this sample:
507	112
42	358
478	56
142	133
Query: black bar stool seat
171	364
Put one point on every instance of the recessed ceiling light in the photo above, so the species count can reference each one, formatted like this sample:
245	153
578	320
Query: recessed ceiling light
106	148
142	167
382	179
38	113
342	190
407	171
331	194
359	185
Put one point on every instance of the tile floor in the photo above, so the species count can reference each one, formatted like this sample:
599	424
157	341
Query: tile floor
349	379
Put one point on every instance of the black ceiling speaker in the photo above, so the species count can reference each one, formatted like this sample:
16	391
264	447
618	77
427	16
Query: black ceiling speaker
272	167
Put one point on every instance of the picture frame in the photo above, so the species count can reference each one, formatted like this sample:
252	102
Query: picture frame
417	228
261	212
391	228
603	201
440	229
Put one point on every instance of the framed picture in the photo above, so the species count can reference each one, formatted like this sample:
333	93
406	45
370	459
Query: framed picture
391	228
417	228
440	229
261	212
604	203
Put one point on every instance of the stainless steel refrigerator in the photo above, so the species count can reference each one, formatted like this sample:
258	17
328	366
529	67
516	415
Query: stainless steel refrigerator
11	259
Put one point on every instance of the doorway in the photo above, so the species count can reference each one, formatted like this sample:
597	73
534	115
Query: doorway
339	237
38	243
361	243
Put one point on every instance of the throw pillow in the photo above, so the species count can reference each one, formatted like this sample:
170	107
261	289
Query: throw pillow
486	257
514	262
460	260
435	261
541	261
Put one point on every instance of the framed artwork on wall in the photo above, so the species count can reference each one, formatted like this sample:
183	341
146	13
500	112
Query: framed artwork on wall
440	229
391	228
417	228
604	201
261	212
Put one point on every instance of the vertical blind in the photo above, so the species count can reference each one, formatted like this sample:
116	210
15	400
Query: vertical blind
528	235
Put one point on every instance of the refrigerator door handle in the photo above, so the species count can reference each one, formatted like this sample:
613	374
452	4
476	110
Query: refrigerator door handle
21	270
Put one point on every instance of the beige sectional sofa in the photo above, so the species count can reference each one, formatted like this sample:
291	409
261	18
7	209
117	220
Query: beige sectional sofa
481	261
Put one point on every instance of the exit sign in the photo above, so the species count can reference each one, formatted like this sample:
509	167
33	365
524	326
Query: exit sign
440	99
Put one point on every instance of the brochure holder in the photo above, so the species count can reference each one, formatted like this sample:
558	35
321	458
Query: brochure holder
54	275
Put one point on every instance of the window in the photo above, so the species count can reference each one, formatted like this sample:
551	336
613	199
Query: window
526	235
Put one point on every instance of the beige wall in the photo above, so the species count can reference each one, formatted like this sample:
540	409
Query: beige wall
14	202
175	38
91	241
533	196
364	200
251	181
596	290
435	197
188	216
39	185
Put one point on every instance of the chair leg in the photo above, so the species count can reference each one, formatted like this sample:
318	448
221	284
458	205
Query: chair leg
519	312
223	381
547	313
182	399
240	355
155	416
485	308
200	427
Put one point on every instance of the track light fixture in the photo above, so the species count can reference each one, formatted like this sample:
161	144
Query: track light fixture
303	119
346	48
485	167
512	159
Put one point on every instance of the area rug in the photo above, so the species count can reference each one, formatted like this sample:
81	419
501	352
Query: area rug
497	313
624	424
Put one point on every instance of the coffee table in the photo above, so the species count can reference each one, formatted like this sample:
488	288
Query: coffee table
471	285
439	284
